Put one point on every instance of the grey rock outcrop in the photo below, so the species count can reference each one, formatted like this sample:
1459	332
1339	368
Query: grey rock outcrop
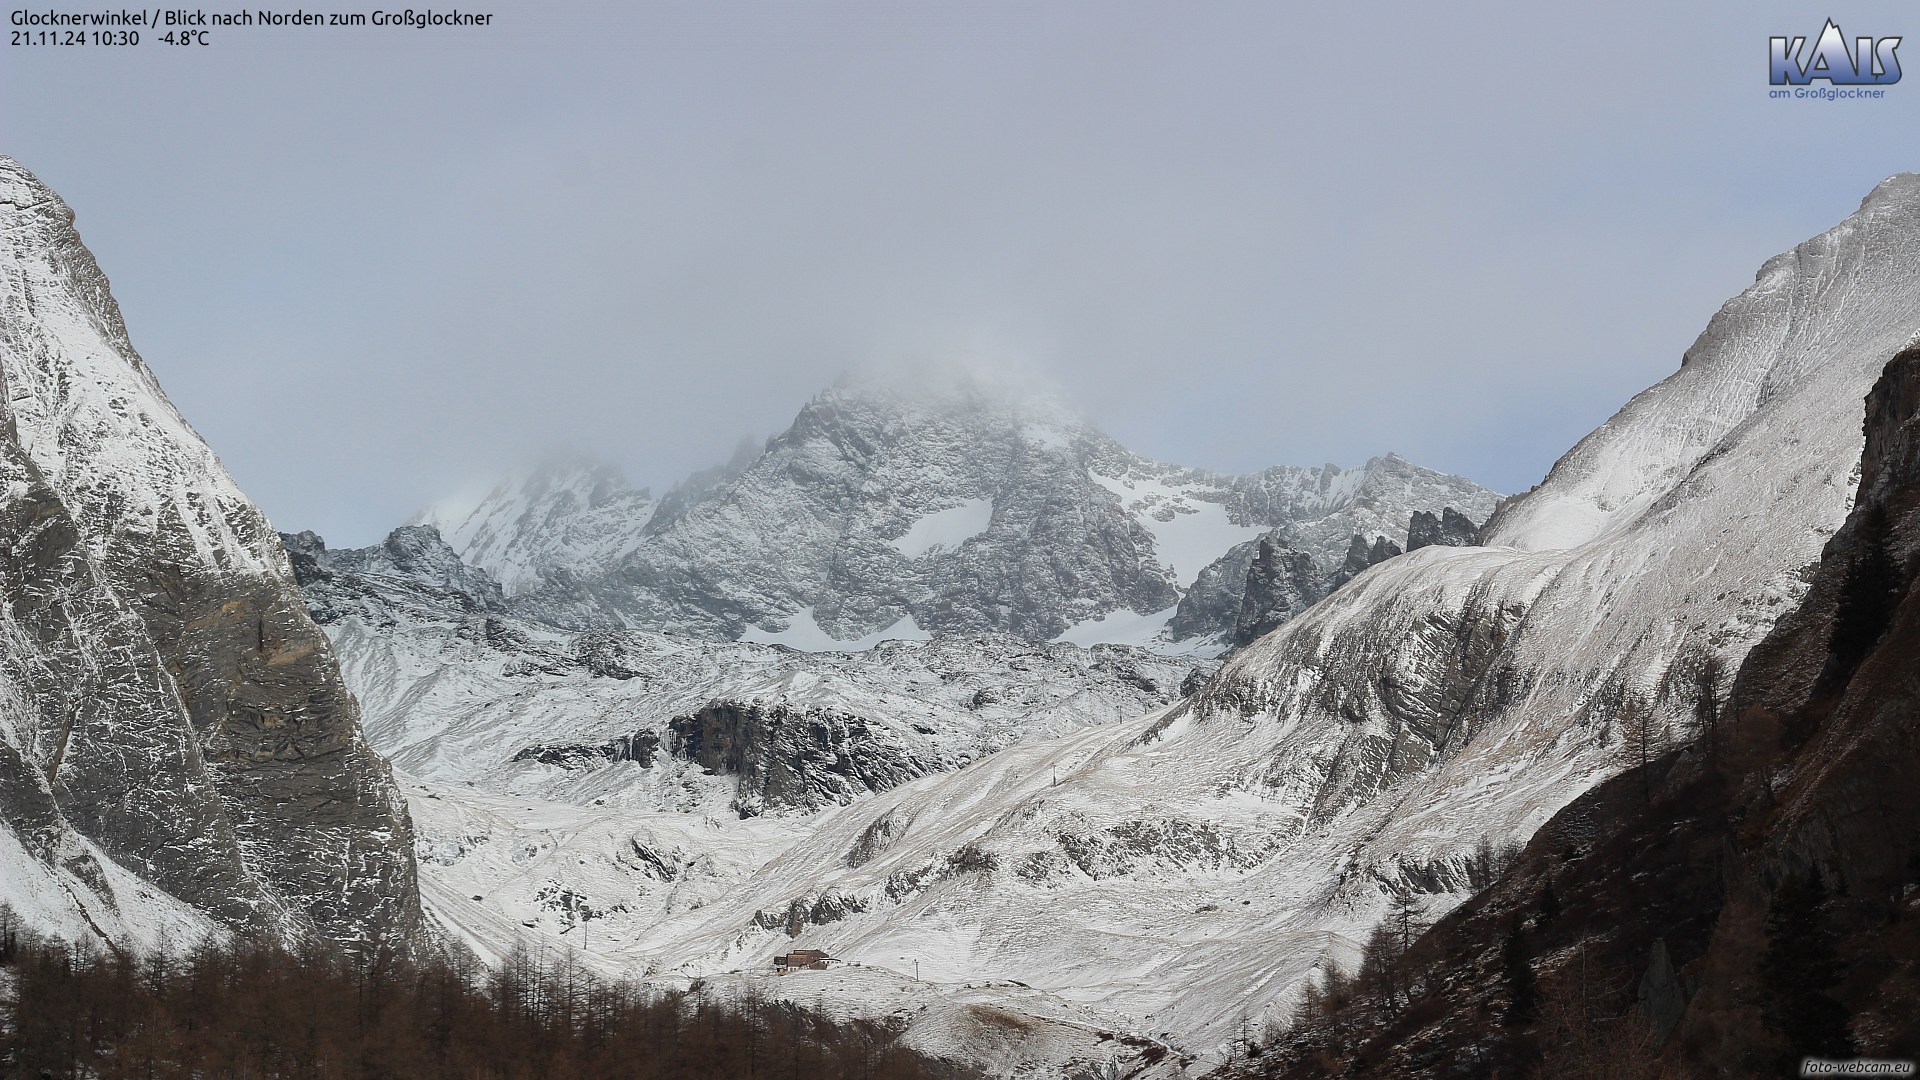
1213	602
1280	584
1450	528
1388	490
801	759
1361	557
1661	998
163	687
413	569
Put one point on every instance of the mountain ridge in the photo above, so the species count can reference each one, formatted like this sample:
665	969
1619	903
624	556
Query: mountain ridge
889	507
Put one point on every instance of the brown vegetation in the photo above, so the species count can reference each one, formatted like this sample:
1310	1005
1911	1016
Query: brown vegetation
262	1012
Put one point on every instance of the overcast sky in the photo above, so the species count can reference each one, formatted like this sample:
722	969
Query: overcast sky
373	266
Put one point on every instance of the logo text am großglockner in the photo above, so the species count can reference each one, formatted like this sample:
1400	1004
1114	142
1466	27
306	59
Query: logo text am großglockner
1866	62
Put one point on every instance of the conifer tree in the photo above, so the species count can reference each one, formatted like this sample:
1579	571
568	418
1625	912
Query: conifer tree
1868	595
1549	903
1403	914
1706	699
1637	731
1523	991
1800	965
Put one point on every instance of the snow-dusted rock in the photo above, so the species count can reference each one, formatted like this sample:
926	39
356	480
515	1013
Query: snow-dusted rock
180	750
964	505
1223	607
1280	585
1450	527
568	515
413	569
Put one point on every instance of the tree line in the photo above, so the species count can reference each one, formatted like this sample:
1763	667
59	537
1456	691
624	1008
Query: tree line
250	1010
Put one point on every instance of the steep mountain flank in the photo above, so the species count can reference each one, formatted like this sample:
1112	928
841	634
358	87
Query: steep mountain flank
166	694
1740	902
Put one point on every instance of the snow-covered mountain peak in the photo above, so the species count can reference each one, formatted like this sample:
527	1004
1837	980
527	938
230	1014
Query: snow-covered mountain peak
34	201
1898	190
87	407
572	513
898	504
866	410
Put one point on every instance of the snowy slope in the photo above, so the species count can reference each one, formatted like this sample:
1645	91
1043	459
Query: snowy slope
166	704
957	504
501	872
558	806
568	514
1194	865
454	690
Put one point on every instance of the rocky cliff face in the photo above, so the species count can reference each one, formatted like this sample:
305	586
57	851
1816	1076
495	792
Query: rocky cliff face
963	506
1280	585
412	569
1451	529
1363	556
1279	582
167	693
1834	690
794	759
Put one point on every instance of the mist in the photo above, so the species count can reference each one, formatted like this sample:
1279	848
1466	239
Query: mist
373	268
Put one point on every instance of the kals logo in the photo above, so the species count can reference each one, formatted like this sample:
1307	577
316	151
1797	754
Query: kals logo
1870	62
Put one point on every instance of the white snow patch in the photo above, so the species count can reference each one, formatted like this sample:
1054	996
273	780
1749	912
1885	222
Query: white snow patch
1342	486
1196	532
945	529
807	635
1122	627
1046	438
